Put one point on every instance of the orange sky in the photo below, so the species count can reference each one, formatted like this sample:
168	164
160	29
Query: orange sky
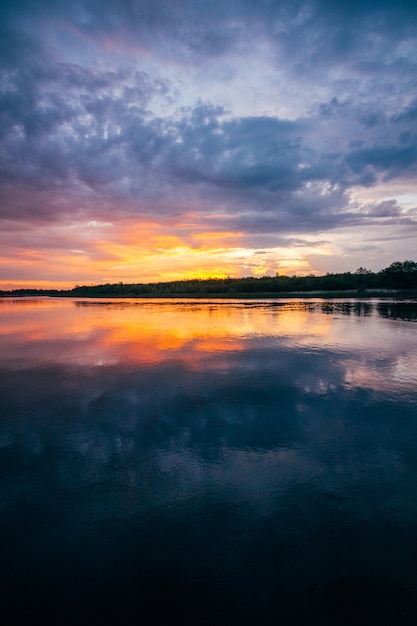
157	141
101	252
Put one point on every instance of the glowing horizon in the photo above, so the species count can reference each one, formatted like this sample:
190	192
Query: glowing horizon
156	142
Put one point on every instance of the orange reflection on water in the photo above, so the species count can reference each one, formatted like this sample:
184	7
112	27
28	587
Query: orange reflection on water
149	331
153	332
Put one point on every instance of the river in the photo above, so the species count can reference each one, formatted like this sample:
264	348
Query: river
208	462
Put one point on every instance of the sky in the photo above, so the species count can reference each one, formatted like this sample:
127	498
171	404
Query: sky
153	140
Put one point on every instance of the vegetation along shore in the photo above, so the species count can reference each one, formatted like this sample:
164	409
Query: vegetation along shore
399	279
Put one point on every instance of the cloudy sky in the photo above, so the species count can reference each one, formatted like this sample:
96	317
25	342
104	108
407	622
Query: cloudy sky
146	140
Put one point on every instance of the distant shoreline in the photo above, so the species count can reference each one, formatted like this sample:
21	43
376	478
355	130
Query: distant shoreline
398	280
328	295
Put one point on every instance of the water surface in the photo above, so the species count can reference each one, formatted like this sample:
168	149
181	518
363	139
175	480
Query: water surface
197	462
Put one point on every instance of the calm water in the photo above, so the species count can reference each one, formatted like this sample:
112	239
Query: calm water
191	462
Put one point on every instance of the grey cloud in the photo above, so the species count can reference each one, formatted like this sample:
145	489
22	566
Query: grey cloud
386	208
371	119
245	153
392	160
254	166
60	120
311	31
68	127
408	114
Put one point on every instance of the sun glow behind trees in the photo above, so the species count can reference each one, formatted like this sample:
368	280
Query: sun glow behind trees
398	276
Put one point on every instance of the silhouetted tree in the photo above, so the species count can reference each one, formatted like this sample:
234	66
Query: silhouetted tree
400	275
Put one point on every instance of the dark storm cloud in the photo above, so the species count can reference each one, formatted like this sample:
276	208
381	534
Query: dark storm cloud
94	130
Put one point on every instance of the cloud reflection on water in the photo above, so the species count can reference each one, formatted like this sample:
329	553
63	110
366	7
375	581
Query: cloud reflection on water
241	445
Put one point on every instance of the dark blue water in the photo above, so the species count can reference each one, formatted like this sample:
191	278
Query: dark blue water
208	463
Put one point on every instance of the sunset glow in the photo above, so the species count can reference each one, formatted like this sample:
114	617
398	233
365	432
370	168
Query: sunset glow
146	142
131	335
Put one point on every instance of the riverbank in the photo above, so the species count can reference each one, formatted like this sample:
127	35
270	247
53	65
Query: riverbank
399	294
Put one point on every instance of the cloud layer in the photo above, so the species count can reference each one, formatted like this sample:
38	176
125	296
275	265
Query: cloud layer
276	124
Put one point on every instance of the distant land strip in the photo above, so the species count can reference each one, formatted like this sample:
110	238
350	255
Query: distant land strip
400	278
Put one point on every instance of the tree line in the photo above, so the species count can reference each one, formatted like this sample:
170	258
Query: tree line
400	275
